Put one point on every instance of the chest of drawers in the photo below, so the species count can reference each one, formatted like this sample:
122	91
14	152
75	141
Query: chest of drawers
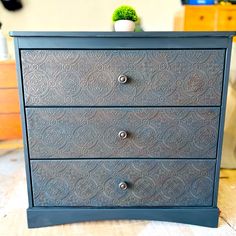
122	125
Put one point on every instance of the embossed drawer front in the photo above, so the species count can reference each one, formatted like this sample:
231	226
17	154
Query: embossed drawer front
100	132
154	77
98	182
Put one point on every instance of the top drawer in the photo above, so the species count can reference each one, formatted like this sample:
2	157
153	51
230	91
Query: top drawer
154	77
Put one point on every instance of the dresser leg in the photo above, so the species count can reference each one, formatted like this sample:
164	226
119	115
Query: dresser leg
48	216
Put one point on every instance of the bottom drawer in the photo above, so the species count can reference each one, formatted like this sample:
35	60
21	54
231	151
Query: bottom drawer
123	183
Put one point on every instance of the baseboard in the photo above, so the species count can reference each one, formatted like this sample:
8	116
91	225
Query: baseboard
48	216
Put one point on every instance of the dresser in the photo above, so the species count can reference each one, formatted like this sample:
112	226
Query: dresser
122	125
10	125
206	18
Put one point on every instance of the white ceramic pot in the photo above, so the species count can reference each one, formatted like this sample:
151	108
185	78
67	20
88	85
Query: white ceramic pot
124	25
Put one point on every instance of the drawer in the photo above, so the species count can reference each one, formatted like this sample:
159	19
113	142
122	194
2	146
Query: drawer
147	132
94	77
9	101
8	74
122	182
10	126
226	19
200	18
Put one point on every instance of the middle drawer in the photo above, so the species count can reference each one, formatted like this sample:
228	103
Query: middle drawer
122	132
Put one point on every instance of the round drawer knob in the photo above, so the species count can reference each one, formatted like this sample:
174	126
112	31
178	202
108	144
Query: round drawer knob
122	79
123	134
123	186
201	17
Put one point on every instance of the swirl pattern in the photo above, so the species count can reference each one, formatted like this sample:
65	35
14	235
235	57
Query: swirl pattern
93	132
157	184
155	77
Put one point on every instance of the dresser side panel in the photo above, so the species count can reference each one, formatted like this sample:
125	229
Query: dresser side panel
23	121
222	118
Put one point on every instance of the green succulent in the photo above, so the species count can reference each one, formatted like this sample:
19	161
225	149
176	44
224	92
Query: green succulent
124	13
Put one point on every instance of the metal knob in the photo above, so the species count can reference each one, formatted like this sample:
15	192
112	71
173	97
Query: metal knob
123	186
123	134
122	79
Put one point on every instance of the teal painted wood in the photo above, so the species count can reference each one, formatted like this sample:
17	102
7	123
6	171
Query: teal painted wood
96	183
122	43
48	216
101	34
43	216
124	40
93	132
23	123
90	77
222	118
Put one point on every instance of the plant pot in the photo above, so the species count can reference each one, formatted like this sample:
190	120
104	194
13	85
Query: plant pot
124	25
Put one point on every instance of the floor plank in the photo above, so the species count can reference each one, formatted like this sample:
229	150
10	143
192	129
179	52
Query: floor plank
227	196
13	202
10	145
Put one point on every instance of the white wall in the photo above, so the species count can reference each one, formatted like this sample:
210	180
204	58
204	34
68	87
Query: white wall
86	15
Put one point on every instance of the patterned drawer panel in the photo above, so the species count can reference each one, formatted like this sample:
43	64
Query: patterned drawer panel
155	77
96	182
93	132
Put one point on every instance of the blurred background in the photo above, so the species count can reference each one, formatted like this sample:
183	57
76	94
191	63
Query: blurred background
90	15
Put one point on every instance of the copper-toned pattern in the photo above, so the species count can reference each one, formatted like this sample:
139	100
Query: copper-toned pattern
94	132
154	77
97	182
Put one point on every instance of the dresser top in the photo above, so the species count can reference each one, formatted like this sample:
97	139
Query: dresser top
150	34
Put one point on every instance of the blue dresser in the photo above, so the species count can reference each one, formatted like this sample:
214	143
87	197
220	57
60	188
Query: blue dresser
122	125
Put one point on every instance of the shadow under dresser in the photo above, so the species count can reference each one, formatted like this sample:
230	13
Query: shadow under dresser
122	125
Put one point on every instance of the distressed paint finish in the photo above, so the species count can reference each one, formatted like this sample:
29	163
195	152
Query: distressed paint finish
155	77
96	182
93	132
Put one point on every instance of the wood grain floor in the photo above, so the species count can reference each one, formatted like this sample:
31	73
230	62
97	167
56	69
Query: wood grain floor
13	202
9	146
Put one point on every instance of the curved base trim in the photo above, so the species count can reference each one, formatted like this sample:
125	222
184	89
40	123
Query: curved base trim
47	216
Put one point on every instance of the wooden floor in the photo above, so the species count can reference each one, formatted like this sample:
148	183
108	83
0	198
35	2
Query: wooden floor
10	146
13	202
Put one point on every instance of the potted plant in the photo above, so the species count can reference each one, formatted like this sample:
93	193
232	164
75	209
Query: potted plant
124	18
